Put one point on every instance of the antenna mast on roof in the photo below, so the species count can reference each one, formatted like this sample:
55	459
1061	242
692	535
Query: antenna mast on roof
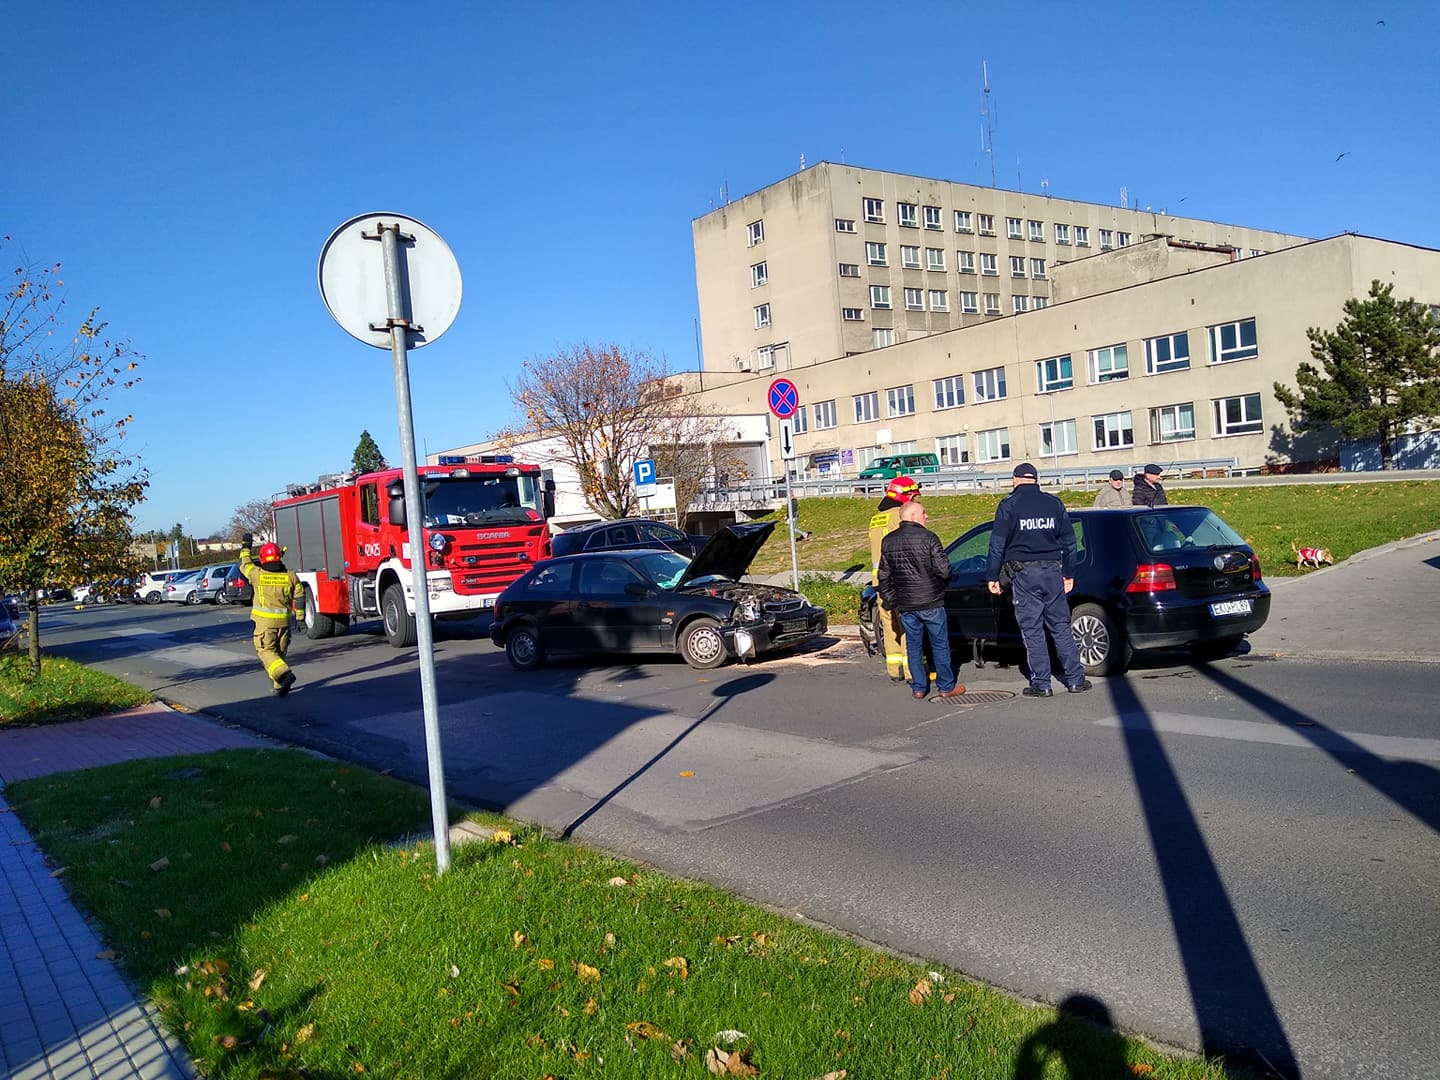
987	133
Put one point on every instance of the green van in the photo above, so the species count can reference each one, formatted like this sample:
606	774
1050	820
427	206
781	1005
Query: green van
887	468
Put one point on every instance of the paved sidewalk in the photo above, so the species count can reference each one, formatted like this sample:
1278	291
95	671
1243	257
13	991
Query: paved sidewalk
65	1010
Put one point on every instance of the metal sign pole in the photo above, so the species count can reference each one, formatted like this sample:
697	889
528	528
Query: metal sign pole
414	510
794	524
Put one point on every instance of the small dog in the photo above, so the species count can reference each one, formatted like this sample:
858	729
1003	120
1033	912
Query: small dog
1309	556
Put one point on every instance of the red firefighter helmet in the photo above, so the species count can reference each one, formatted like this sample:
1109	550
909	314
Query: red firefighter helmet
902	489
269	553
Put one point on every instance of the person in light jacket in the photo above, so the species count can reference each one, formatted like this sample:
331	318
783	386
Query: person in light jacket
1113	495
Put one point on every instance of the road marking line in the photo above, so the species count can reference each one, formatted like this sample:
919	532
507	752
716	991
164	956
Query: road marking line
1398	747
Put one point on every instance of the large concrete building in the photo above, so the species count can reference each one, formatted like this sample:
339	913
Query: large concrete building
990	326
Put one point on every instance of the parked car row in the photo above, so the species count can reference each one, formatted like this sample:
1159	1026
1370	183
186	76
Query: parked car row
209	584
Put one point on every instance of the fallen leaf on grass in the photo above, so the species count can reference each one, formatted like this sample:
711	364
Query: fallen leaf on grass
730	1036
591	1007
305	1034
162	913
618	881
723	1063
501	836
919	992
586	973
679	1051
58	871
454	972
680	965
228	1042
545	964
160	864
1141	1069
839	1074
518	938
645	1030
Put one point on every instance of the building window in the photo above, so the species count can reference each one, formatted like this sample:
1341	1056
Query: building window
875	254
1082	236
914	300
1172	423
1062	233
910	256
759	275
990	384
1168	353
1233	341
765	357
965	261
799	422
1114	431
849	269
882	337
1017	266
867	407
939	300
951	450
1238	415
756	232
1109	364
1054	373
970	302
762	316
1019	303
1038	302
932	218
843	224
1122	239
949	392
1058	437
963	221
1037	231
824	414
988	266
900	401
934	259
992	445
1107	239
875	210
880	296
992	303
1012	228
906	214
852	314
985	223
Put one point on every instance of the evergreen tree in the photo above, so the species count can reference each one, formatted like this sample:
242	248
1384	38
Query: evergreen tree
367	456
1381	372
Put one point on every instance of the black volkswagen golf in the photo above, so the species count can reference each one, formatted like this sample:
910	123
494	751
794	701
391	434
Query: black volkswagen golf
654	601
1145	578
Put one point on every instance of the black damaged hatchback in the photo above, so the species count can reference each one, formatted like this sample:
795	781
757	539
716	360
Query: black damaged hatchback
654	601
1145	578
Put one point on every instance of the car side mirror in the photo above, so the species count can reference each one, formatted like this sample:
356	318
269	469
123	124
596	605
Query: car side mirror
636	588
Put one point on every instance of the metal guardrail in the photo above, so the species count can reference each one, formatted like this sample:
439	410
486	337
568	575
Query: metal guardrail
769	491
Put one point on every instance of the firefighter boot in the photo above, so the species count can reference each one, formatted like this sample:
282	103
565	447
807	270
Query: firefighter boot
283	684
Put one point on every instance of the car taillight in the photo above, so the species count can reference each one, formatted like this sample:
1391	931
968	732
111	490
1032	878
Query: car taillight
1152	577
1255	567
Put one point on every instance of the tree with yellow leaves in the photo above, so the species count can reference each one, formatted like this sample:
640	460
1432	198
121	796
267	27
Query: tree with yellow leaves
66	491
608	408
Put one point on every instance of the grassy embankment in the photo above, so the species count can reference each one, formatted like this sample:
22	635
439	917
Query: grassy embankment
253	895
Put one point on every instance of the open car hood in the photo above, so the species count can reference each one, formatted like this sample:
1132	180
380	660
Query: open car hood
729	552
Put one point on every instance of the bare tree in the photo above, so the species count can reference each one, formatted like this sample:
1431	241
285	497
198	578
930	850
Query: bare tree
252	517
608	408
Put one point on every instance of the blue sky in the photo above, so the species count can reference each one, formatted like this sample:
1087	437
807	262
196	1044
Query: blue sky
185	163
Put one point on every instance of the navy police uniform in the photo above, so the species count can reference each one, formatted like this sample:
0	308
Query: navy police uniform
1033	540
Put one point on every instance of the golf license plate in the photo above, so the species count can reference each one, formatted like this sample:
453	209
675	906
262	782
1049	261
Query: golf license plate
1230	607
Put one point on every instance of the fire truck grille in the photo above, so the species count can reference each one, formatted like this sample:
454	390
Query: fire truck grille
487	568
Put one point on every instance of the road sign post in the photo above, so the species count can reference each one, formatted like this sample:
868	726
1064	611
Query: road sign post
784	401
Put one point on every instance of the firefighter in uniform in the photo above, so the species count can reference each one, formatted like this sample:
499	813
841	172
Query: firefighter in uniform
277	592
886	519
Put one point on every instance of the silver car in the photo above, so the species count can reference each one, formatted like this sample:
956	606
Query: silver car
212	582
181	589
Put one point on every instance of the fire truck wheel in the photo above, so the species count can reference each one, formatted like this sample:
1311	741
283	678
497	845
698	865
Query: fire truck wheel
522	648
702	645
317	626
399	623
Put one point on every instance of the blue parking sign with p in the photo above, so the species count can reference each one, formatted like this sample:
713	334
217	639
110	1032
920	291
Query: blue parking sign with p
645	472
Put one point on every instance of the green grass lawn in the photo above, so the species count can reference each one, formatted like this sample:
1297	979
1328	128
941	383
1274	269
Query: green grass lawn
64	691
1346	518
256	897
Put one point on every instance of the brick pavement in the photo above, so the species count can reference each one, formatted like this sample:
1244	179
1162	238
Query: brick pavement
66	1011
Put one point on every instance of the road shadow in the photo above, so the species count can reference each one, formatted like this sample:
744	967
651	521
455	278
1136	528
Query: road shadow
1410	785
1233	1008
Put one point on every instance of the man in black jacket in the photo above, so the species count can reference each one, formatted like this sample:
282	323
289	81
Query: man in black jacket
912	578
1148	491
1033	538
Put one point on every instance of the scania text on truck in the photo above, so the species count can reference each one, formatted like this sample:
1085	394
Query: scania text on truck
485	521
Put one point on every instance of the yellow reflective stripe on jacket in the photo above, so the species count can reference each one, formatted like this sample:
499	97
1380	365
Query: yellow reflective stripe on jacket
275	592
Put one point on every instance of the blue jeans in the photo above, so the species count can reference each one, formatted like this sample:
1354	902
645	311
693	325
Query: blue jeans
921	626
1041	607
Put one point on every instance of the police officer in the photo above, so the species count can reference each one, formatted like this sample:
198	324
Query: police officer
277	592
885	520
1033	539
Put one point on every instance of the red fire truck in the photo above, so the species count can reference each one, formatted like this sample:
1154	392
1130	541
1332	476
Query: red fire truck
485	522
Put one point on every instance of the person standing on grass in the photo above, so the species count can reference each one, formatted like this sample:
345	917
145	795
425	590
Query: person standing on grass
1033	539
913	574
1112	496
1148	491
277	591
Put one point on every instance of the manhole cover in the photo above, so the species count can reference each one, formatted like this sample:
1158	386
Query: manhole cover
980	697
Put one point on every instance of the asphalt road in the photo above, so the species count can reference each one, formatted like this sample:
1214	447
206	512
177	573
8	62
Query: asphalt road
1235	857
